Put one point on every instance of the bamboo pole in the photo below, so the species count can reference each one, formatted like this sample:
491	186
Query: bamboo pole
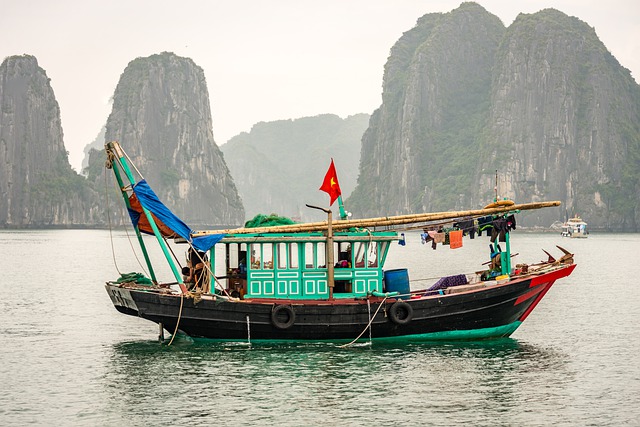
382	221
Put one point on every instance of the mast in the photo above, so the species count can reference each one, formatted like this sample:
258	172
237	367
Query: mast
137	230
114	149
329	249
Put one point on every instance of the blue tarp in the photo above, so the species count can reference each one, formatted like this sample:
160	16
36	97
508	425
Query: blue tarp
149	200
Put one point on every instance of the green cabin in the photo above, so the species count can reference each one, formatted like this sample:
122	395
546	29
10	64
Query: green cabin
294	265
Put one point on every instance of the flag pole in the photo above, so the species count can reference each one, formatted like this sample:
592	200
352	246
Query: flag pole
343	213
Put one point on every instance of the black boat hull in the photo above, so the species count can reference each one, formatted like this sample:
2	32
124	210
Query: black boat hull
490	312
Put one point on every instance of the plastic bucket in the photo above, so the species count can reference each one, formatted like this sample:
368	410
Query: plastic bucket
398	281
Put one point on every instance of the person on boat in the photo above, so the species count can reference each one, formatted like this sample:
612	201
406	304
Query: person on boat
195	269
496	258
242	266
344	261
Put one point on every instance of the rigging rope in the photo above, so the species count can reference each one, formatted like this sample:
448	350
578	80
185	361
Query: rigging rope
366	327
106	193
109	165
175	331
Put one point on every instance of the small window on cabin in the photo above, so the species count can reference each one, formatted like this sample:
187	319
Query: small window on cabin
321	255
343	255
267	256
256	256
372	257
308	255
242	256
232	255
383	249
293	255
282	256
360	251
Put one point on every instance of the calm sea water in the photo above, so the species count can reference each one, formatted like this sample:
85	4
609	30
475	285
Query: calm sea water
68	358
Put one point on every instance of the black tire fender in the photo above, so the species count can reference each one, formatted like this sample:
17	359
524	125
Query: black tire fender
401	313
283	316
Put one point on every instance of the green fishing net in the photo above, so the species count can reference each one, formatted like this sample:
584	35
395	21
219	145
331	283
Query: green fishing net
262	220
135	278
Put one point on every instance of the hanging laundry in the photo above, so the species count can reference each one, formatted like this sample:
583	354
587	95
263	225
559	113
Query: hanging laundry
428	236
468	227
500	229
485	224
439	237
455	239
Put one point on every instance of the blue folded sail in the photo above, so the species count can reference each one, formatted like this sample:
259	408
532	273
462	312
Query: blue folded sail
150	201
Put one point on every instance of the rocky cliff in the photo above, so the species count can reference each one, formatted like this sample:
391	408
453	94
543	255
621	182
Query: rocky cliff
38	188
543	102
564	124
420	148
162	118
279	166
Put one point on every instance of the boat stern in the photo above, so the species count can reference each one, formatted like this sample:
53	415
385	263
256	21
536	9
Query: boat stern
122	299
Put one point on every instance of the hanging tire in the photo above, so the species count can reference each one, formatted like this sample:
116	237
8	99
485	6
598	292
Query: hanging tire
283	316
401	313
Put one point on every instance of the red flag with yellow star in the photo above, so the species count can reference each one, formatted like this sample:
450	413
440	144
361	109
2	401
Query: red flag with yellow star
330	184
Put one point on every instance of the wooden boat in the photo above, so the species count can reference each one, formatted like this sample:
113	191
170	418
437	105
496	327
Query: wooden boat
574	227
320	281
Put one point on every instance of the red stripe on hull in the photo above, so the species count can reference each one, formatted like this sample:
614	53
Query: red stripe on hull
542	284
543	290
529	294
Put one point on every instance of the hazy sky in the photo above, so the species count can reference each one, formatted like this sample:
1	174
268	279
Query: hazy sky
263	60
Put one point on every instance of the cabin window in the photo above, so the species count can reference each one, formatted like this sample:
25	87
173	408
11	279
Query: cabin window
256	261
262	256
372	257
287	256
282	256
308	255
293	255
232	256
383	249
315	255
267	256
236	254
321	255
360	252
342	255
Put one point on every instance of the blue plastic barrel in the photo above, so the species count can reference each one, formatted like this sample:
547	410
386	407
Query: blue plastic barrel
397	281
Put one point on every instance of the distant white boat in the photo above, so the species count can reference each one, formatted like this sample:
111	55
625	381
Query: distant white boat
575	227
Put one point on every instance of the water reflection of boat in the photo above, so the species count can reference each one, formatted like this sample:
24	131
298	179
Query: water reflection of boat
574	227
283	282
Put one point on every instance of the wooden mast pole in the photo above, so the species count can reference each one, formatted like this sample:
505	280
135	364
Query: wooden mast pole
115	148
121	186
329	249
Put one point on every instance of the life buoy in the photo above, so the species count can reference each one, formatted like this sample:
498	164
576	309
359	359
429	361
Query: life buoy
500	203
283	316
401	313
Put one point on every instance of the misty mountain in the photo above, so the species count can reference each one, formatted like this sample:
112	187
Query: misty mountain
279	166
